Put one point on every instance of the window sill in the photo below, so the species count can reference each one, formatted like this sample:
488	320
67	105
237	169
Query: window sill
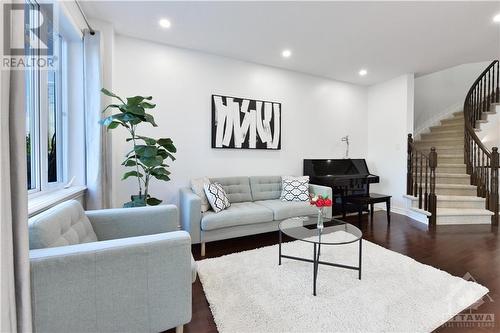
43	202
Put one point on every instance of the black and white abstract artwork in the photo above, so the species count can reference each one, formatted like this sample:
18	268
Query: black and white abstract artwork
245	123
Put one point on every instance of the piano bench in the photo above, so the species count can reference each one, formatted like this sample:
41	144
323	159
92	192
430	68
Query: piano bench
369	200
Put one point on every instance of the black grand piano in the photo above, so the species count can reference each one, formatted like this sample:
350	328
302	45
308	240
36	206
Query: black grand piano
346	177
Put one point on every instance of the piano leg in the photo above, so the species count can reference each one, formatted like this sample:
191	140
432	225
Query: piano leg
388	207
371	213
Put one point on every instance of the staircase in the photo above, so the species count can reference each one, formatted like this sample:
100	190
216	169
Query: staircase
457	200
451	175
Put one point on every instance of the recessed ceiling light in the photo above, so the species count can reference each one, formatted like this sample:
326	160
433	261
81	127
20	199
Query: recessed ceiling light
164	23
363	72
286	53
496	18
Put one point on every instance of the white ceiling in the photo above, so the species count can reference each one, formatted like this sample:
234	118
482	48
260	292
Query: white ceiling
329	39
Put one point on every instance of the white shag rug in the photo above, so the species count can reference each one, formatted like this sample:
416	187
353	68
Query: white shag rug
249	292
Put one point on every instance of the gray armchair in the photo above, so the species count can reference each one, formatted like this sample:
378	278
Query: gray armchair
115	270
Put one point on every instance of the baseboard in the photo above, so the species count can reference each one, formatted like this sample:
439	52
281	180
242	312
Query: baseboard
408	213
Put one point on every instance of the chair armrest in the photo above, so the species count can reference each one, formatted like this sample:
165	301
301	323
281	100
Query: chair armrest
131	222
323	191
130	285
190	206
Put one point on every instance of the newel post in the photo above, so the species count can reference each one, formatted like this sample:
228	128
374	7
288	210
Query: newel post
494	185
409	166
432	193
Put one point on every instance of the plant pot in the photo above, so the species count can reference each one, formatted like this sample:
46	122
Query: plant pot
136	201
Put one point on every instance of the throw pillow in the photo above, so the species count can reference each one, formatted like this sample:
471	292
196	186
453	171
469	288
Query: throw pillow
216	196
295	188
197	185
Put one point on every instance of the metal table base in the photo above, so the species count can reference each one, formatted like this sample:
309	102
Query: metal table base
316	262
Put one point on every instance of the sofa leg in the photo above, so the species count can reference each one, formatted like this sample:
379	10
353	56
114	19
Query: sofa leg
203	249
179	329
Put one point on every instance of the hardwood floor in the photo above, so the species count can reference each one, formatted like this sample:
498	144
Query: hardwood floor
473	249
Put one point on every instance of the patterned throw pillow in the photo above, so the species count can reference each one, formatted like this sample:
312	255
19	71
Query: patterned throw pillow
216	196
197	186
295	188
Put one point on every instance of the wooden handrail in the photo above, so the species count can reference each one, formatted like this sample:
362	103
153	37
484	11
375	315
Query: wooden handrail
421	178
482	165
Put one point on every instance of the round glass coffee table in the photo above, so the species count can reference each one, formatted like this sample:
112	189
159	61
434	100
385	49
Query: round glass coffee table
305	229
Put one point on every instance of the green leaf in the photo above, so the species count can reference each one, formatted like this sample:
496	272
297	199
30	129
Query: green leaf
163	153
136	100
111	106
146	151
151	162
136	110
132	174
171	156
150	119
120	117
153	201
171	148
147	105
129	117
129	163
149	141
164	141
161	174
136	121
110	94
161	171
168	144
162	177
114	125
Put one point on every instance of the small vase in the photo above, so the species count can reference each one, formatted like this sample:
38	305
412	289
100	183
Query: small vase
320	219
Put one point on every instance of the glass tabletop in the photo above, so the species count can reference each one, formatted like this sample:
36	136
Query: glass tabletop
334	232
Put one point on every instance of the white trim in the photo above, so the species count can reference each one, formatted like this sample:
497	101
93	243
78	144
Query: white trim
436	120
45	201
414	215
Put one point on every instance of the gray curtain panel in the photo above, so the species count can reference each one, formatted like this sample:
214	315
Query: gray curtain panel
98	188
14	248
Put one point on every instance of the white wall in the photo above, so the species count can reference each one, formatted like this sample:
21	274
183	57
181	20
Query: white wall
490	131
441	93
390	118
316	113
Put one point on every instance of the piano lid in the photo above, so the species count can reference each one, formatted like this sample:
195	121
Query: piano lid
335	167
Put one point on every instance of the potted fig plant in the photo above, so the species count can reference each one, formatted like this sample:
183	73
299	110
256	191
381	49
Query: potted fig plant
148	156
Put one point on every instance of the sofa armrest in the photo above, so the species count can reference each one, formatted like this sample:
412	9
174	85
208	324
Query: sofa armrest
190	206
323	191
129	285
131	222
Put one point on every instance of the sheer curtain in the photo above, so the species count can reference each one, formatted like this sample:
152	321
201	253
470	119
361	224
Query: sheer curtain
15	305
95	134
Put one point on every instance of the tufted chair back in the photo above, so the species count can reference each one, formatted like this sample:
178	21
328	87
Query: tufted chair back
64	224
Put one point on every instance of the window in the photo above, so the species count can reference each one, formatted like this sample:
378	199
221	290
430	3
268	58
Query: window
44	120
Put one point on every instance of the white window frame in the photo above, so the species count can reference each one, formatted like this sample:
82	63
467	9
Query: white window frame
34	85
60	125
40	127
